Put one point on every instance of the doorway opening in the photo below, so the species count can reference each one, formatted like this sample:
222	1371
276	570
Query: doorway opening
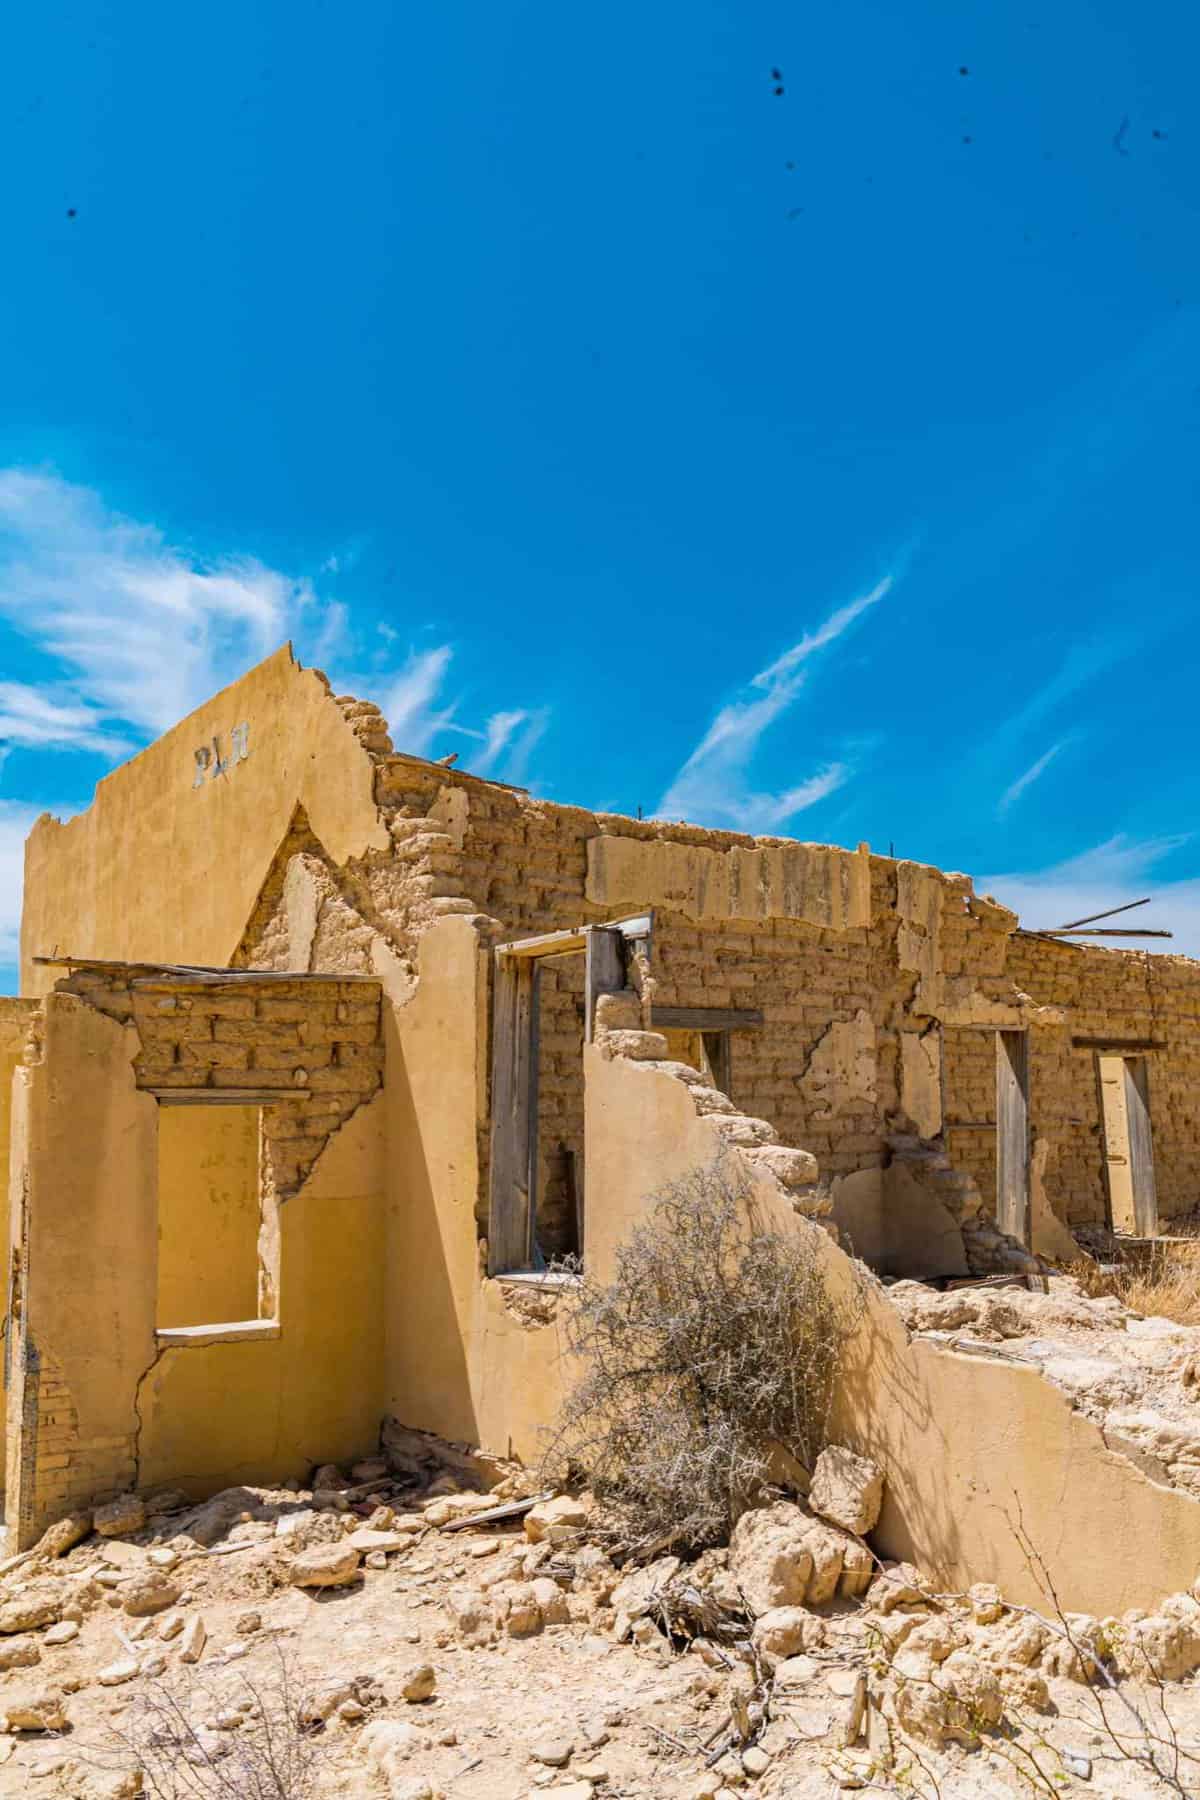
985	1078
545	994
1128	1145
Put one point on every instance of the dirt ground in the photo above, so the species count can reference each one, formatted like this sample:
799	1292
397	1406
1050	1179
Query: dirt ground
565	1711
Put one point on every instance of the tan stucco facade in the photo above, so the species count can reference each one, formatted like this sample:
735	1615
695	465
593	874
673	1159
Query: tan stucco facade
250	1208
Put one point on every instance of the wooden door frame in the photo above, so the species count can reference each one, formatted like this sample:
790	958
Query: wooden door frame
1013	1134
512	1168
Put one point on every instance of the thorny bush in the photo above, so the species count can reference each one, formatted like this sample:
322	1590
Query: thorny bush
274	1753
716	1343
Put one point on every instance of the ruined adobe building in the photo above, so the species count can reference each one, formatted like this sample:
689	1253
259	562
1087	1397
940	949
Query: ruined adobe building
329	1049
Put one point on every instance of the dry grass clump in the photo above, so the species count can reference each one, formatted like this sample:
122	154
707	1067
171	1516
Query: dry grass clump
716	1344
1165	1283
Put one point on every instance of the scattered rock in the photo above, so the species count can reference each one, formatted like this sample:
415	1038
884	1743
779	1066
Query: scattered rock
247	1622
153	1593
326	1565
554	1751
21	1652
64	1534
44	1711
847	1490
40	1604
557	1521
418	1683
195	1636
62	1633
120	1517
116	1674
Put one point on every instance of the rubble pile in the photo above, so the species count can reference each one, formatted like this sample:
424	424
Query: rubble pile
448	1632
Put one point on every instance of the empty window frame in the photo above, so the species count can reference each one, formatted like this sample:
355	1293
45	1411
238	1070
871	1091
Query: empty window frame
209	1214
1128	1147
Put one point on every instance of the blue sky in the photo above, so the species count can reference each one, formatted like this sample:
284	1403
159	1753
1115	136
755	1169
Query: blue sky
823	463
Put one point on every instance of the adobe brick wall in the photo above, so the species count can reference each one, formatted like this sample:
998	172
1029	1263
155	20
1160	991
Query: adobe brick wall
317	1043
925	950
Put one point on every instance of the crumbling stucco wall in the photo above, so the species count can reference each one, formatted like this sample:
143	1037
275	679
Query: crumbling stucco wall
84	1338
82	1284
964	1442
339	854
266	1406
168	860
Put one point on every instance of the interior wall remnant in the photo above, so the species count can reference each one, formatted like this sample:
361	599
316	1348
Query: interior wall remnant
209	1211
921	1079
304	1388
84	1228
818	883
841	1075
965	1441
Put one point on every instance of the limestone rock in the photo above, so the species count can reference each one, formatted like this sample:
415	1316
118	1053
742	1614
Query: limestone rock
553	1749
153	1593
116	1674
639	1046
195	1636
516	1608
40	1604
781	1556
366	1540
557	1521
472	1616
64	1534
769	1557
326	1565
847	1489
552	1602
21	1652
634	1595
792	1169
987	1605
419	1682
62	1633
44	1711
786	1631
120	1517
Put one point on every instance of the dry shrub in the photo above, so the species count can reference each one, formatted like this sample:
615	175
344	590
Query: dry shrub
167	1733
715	1345
1165	1283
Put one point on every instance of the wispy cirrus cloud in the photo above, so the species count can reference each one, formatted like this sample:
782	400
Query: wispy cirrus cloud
1013	792
133	632
138	631
1110	874
713	787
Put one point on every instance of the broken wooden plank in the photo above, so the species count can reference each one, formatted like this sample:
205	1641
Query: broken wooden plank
512	1509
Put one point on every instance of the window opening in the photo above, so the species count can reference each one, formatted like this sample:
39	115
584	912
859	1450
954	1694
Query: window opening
209	1214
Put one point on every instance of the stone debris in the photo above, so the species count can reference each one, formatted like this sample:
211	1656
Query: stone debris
120	1517
45	1711
419	1683
326	1566
20	1652
557	1521
847	1490
194	1638
144	1596
64	1534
